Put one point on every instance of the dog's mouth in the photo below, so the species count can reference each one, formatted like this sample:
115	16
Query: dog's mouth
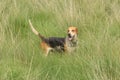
70	37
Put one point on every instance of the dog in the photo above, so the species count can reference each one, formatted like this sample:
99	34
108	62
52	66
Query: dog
60	44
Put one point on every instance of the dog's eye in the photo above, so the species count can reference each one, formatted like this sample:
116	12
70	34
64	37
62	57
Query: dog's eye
68	30
73	30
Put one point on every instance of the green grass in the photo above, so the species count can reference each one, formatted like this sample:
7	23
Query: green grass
98	54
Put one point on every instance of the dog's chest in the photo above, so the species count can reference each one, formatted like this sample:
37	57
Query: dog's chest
71	46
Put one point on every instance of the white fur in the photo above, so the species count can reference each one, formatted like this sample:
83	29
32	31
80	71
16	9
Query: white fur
33	29
71	45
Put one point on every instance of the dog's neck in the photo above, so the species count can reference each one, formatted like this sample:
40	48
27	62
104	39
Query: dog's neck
71	43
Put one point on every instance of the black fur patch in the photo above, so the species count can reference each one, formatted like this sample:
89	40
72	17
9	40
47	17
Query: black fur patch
56	42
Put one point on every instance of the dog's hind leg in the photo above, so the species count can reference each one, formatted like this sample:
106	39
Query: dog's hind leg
46	48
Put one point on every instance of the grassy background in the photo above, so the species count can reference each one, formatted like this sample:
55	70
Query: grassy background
98	55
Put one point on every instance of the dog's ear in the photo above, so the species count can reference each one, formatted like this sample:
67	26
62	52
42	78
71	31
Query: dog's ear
76	30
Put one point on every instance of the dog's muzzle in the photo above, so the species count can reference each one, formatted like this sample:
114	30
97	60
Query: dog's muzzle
70	37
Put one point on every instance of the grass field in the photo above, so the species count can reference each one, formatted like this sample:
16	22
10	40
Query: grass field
98	54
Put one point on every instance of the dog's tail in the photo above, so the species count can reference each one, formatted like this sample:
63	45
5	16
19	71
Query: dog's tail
35	31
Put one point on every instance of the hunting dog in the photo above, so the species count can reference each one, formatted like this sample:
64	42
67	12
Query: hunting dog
65	44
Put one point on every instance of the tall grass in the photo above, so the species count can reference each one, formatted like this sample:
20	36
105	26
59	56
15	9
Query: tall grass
97	57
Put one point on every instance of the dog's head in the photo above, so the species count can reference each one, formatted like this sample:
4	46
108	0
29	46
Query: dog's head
72	33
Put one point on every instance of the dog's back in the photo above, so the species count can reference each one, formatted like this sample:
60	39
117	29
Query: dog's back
55	42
